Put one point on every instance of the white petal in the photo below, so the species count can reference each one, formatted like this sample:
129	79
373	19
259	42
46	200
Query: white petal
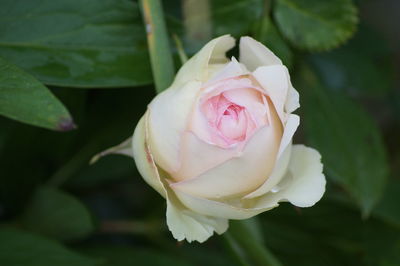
283	157
292	101
276	176
254	54
305	182
186	224
274	79
182	222
242	174
144	159
169	114
232	69
291	126
309	182
228	210
203	65
199	156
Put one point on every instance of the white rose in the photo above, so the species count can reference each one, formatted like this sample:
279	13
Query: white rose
217	144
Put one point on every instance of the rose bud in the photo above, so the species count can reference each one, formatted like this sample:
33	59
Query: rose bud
217	144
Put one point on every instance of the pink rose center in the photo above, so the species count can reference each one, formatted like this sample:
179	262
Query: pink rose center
230	112
228	119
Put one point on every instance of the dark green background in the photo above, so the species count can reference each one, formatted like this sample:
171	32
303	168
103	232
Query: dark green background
86	61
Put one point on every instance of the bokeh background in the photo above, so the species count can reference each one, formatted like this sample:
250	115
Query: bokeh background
57	209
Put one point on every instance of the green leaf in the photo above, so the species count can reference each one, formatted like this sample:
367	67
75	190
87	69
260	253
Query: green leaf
235	17
356	68
350	143
316	25
388	208
76	43
120	255
23	248
57	214
25	99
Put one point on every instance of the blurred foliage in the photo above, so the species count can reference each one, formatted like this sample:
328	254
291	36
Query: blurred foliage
56	209
21	94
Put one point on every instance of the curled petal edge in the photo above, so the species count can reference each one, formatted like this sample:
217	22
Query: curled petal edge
305	185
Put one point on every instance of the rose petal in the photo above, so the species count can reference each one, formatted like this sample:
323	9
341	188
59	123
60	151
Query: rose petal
216	208
305	182
144	159
274	80
186	224
254	54
283	157
291	126
279	171
232	69
205	63
239	175
308	184
252	100
292	101
199	156
183	223
168	119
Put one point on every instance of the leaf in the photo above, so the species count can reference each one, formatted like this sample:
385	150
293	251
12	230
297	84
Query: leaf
316	25
120	255
57	214
351	145
76	43
330	233
388	208
356	68
234	17
25	99
23	248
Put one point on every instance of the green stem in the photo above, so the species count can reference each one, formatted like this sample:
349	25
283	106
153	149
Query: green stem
263	21
247	246
157	40
197	21
179	47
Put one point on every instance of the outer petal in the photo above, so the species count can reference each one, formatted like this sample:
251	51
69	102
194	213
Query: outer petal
277	174
304	186
206	62
143	157
304	183
186	224
309	182
168	119
239	175
223	209
283	157
182	222
275	80
292	101
254	54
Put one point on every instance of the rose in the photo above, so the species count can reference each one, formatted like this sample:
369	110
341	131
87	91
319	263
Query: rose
217	144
